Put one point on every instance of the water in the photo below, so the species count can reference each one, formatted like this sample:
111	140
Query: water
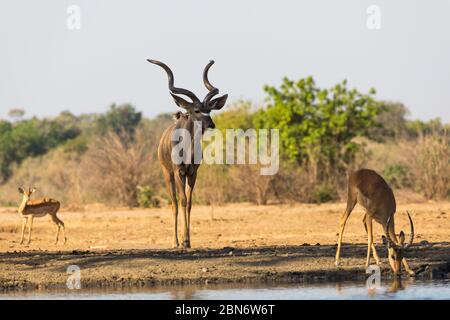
411	289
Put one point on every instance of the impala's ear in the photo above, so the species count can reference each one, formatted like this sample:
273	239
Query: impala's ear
181	102
401	238
21	190
218	103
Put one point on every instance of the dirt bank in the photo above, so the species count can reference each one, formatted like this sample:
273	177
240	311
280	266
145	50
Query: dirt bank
233	243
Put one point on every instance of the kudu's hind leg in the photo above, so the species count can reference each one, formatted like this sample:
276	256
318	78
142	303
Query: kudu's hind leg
171	190
351	202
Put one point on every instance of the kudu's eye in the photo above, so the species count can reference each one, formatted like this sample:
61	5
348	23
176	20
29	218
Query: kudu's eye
197	111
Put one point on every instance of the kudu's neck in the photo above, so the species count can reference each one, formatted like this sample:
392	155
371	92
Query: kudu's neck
186	122
195	130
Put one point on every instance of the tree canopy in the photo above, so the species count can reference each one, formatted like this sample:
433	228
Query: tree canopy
317	123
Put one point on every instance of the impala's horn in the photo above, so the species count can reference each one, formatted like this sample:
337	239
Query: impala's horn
172	88
411	235
388	237
212	90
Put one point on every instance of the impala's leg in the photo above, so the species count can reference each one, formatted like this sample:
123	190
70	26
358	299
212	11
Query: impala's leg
180	181
374	250
24	224
351	202
368	223
189	188
64	233
30	227
171	190
60	225
57	233
407	268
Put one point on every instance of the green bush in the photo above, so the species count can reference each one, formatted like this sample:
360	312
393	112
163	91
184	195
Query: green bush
397	175
147	197
323	193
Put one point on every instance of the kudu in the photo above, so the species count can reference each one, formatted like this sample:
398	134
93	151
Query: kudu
372	192
30	209
181	176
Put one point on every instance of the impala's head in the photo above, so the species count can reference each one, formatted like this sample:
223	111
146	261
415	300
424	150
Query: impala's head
397	249
27	192
196	110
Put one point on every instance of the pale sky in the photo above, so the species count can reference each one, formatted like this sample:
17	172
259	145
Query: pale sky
46	68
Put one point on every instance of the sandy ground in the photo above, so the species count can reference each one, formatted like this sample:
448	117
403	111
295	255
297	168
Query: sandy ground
232	243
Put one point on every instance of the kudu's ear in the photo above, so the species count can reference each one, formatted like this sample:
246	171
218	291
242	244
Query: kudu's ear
401	238
181	102
218	103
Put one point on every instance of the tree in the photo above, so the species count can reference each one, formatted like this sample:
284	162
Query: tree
30	138
237	116
116	167
391	122
317	126
16	114
120	119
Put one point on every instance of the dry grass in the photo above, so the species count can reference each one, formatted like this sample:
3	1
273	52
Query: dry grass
236	225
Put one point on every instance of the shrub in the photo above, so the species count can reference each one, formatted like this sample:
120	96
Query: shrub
323	193
397	175
428	160
147	197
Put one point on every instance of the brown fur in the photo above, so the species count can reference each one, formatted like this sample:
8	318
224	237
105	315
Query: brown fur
30	209
181	178
372	192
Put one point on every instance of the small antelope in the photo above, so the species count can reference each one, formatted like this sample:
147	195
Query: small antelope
30	209
371	191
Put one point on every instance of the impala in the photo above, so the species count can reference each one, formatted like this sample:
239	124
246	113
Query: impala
181	176
372	192
30	209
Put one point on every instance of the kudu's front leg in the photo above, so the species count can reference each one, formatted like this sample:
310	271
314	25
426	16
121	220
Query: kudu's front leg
189	189
171	190
180	181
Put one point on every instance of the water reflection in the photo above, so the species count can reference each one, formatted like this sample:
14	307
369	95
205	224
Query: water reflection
392	289
396	285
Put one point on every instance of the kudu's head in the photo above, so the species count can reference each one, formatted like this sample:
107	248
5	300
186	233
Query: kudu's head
27	192
397	250
196	110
